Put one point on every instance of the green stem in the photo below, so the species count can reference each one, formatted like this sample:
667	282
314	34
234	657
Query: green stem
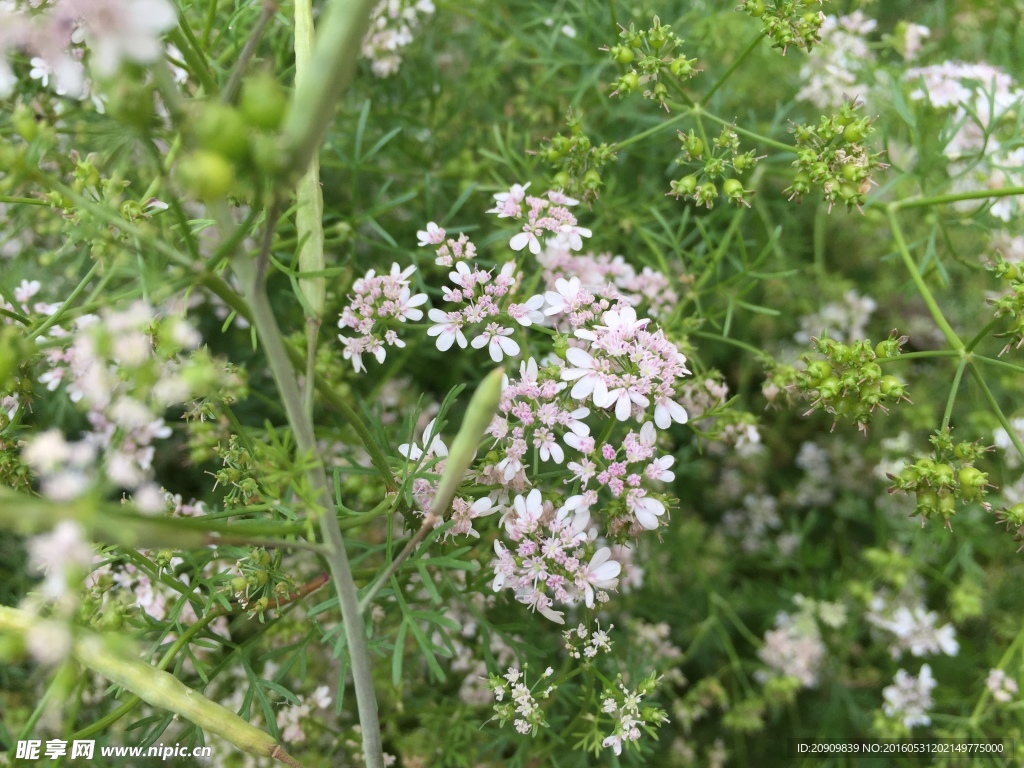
1000	363
652	131
982	194
186	42
332	68
252	276
922	287
50	321
231	87
924	354
1003	421
989	326
749	134
948	413
24	201
750	49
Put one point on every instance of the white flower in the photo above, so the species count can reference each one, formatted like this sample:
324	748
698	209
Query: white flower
909	698
565	295
666	411
117	30
601	572
448	329
645	509
432	441
584	370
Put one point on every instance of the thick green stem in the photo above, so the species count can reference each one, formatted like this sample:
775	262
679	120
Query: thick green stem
156	687
922	287
331	70
252	276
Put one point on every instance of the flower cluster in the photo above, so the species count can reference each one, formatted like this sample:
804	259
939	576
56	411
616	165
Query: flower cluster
549	561
119	368
524	708
105	32
832	156
392	25
581	643
723	154
648	57
940	480
982	99
290	719
847	381
788	22
543	214
912	628
909	698
377	303
1002	687
577	160
609	278
623	707
795	648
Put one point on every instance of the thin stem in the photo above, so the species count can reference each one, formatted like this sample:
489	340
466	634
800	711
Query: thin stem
1003	421
1000	363
252	277
332	68
185	41
231	87
982	334
56	316
749	134
24	201
652	131
948	413
378	584
982	194
924	354
922	287
750	49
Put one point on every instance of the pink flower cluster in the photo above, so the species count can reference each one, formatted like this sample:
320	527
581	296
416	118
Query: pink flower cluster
532	413
483	295
376	303
610	278
542	215
626	367
113	31
547	562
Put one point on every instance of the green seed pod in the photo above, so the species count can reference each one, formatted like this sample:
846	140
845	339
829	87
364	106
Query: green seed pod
482	407
207	175
221	128
263	102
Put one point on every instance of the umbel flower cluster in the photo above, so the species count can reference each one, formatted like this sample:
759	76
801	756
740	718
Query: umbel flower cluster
590	364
